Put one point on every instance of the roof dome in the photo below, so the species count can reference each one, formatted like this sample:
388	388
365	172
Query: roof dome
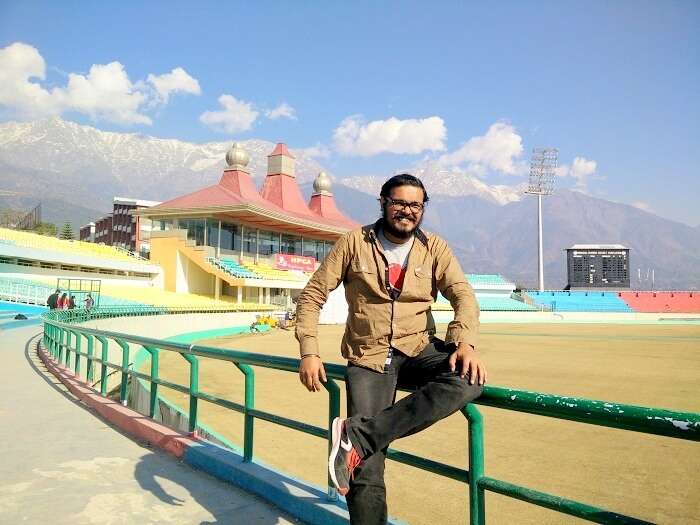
322	183
237	157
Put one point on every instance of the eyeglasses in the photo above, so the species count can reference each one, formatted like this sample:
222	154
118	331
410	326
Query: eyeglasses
398	204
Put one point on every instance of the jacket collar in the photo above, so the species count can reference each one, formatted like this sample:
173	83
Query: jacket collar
374	230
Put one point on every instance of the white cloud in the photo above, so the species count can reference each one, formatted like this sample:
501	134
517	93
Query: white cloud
581	170
498	150
236	115
178	80
19	64
318	151
355	137
284	110
105	93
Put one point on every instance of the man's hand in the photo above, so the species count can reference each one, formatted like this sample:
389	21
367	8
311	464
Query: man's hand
469	364
311	373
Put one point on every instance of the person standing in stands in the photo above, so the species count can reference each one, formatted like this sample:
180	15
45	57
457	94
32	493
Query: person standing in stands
52	300
62	302
89	302
392	271
71	302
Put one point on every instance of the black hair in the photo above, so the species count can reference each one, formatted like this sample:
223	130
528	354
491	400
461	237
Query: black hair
403	179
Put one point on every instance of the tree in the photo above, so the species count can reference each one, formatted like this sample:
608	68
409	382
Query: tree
46	228
67	232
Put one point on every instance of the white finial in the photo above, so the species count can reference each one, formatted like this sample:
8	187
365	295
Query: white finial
237	158
322	184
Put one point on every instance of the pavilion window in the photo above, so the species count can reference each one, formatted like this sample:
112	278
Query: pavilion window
291	244
195	229
250	240
230	237
269	243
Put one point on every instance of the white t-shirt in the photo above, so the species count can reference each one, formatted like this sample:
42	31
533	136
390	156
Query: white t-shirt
397	257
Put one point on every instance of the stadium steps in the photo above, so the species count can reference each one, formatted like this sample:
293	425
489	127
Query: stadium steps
662	302
580	301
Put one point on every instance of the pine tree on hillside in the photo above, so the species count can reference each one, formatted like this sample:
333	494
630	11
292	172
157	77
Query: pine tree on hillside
67	232
46	228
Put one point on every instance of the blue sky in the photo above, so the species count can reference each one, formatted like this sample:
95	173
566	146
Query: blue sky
378	87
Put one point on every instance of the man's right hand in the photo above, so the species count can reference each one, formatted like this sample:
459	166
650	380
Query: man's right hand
312	373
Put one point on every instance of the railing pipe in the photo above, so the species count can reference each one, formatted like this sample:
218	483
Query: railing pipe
477	506
123	389
90	361
103	365
153	401
248	417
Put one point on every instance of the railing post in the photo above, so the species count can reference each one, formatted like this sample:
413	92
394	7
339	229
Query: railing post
477	507
153	402
67	354
103	366
248	419
60	345
123	390
194	390
90	363
333	412
78	337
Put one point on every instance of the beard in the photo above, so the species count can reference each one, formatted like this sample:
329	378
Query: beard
399	230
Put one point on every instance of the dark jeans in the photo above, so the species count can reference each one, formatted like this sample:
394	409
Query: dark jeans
374	420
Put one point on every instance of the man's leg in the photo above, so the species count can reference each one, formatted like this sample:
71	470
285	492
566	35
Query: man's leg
439	392
369	393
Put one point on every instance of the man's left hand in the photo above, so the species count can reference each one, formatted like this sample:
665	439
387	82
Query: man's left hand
469	364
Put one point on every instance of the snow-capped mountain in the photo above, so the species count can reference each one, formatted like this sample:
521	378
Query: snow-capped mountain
449	184
56	157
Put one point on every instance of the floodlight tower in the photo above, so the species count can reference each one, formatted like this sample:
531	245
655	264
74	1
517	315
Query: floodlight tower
542	170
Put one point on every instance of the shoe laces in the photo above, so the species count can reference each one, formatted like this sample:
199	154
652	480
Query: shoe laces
354	461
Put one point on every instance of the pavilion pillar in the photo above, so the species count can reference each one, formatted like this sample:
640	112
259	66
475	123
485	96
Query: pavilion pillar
218	243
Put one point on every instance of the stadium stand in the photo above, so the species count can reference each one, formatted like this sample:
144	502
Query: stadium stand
580	301
494	293
52	244
478	280
233	268
268	272
659	302
488	303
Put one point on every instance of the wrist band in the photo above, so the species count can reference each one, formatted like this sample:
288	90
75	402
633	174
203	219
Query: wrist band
310	355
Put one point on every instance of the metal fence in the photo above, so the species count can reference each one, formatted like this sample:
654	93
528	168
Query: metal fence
66	341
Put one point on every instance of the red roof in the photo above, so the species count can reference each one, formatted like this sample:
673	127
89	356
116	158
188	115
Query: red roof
280	194
324	205
281	149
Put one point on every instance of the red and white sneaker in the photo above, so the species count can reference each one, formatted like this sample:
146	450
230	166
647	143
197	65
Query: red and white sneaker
344	459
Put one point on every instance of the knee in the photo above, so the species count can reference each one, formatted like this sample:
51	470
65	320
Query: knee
468	391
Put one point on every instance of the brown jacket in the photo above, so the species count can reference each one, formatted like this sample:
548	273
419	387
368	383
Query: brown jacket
375	320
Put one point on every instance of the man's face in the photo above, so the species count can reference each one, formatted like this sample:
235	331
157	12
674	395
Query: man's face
400	220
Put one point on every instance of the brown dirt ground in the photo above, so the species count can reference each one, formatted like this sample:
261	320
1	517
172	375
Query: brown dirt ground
648	477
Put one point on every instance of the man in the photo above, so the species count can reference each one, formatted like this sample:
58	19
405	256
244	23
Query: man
89	302
392	271
52	300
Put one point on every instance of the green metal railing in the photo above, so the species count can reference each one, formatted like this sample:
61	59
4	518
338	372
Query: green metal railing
80	315
62	339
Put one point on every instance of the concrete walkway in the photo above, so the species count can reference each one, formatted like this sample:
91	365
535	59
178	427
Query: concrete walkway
62	464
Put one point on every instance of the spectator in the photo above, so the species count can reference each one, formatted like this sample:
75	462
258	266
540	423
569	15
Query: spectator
71	302
62	302
52	301
89	302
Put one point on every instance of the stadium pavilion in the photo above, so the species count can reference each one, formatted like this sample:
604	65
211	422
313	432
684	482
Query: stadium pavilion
229	240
